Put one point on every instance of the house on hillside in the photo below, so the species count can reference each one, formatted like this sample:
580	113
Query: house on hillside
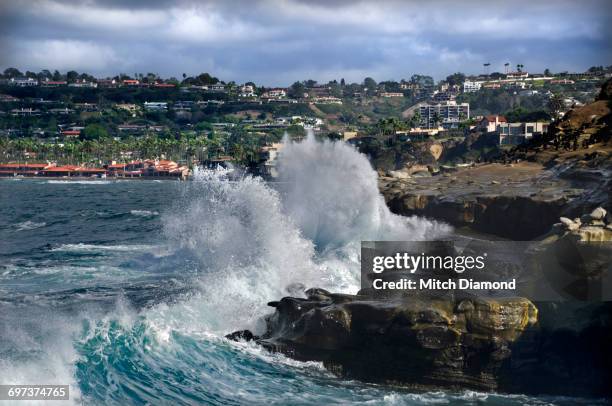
489	123
471	86
518	133
23	82
274	94
247	91
156	106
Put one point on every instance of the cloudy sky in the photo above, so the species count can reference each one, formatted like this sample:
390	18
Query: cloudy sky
275	42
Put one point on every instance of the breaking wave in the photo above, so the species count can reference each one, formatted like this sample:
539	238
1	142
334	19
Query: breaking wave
257	243
250	242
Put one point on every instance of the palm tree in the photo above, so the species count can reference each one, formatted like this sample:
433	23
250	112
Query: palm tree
486	66
415	121
436	119
506	67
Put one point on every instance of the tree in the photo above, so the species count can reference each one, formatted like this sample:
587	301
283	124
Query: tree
72	76
335	89
207	79
556	105
547	72
94	132
415	121
455	79
297	90
436	119
12	73
486	66
369	83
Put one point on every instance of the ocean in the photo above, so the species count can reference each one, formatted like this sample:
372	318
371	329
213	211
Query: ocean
125	289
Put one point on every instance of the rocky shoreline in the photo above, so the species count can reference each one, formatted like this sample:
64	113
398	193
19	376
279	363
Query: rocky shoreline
557	198
460	341
515	201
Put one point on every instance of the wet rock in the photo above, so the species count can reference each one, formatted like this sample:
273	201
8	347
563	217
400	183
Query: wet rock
569	224
242	335
598	214
417	343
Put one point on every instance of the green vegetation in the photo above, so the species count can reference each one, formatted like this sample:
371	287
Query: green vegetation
204	117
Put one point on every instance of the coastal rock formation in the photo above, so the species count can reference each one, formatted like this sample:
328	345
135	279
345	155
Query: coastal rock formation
416	343
568	351
456	340
517	201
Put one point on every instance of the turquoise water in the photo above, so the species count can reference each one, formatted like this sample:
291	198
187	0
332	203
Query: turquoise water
125	289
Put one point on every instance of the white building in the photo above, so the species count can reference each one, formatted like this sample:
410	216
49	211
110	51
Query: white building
447	114
518	133
489	123
23	82
517	75
391	94
326	100
156	106
470	87
215	88
83	83
247	91
274	94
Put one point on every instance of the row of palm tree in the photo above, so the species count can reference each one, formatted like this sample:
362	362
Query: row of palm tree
101	151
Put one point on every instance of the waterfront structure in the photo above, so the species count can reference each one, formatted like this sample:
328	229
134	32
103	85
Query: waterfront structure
135	169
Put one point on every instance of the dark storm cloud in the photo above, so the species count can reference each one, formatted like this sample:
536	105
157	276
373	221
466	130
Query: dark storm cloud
277	42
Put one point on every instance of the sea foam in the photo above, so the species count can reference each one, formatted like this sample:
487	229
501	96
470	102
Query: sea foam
256	243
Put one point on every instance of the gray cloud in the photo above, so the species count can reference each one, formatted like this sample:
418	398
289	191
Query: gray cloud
277	42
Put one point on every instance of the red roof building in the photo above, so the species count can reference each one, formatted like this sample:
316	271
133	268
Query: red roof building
489	123
71	133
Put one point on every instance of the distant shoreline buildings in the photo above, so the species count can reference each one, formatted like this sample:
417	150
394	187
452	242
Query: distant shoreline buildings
131	170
